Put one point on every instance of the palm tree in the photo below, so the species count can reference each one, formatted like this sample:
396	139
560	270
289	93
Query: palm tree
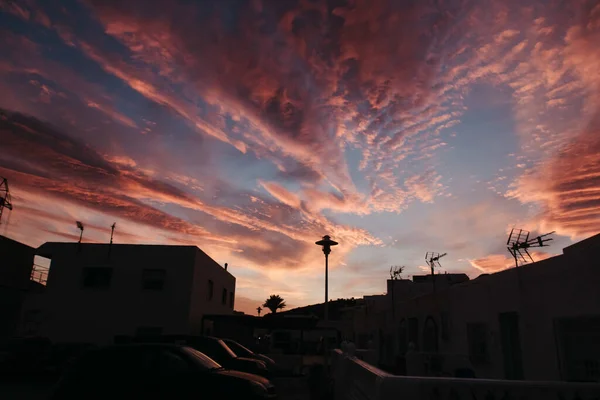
274	303
258	310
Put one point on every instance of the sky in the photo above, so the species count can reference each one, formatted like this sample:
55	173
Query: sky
252	128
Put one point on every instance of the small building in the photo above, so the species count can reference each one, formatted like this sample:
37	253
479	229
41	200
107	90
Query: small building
16	264
95	292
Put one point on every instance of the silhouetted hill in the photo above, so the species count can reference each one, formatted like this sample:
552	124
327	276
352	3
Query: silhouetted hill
335	308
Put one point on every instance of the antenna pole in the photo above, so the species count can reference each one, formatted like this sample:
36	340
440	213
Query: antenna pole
112	232
5	201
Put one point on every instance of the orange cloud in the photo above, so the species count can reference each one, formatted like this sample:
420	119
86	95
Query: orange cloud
498	262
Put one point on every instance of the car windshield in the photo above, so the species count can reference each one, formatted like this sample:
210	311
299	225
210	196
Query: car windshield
238	349
202	359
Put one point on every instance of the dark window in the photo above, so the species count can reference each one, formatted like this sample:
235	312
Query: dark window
430	333
153	279
148	331
231	299
478	346
97	277
211	288
413	332
445	327
224	296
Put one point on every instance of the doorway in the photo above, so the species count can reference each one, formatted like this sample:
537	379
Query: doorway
510	337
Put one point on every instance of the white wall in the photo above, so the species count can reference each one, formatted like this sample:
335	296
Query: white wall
205	269
74	313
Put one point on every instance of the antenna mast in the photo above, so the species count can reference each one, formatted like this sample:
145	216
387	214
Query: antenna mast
112	231
518	242
433	260
80	227
5	201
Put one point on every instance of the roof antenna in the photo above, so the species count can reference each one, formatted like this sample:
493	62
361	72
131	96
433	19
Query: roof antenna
80	227
5	201
433	260
518	242
112	232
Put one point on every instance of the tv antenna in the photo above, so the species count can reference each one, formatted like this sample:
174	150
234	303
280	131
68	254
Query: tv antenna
80	227
112	231
5	201
396	273
518	242
433	260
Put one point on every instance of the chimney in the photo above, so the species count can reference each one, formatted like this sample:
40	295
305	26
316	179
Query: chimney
225	266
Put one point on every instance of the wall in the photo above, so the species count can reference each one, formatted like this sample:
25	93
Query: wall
205	269
355	379
541	293
16	262
73	313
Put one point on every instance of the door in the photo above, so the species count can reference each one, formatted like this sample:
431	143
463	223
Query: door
510	337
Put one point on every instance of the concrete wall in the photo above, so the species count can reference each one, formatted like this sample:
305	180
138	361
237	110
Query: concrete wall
205	270
16	263
71	312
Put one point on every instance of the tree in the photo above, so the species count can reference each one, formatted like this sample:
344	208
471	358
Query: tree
274	303
258	310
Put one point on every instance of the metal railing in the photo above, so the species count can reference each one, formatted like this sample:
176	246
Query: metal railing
39	274
354	379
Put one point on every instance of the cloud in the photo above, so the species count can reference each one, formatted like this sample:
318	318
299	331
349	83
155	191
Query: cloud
498	262
252	128
567	186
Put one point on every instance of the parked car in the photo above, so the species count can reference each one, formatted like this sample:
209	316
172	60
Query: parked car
216	349
157	371
213	347
242	351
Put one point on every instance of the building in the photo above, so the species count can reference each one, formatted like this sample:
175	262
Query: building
95	292
536	322
16	264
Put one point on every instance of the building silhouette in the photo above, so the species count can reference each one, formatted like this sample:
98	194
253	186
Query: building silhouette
95	292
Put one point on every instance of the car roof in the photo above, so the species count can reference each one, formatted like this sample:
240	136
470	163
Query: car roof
139	345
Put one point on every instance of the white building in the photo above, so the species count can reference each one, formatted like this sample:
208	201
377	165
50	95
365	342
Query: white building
95	292
536	322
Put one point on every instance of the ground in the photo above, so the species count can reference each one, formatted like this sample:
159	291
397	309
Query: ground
289	389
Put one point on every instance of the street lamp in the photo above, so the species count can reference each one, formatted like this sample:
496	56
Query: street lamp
326	243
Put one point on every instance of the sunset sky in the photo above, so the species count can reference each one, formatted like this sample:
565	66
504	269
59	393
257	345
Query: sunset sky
253	128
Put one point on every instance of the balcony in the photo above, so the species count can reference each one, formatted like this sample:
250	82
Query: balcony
355	379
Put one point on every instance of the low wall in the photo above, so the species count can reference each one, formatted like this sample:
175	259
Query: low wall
354	379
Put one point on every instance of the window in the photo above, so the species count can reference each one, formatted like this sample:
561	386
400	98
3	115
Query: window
211	288
478	346
430	333
231	299
97	277
153	279
224	296
413	331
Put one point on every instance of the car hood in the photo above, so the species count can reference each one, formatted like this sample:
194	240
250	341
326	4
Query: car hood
262	357
245	376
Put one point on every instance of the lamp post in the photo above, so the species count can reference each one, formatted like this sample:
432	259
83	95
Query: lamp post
326	243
